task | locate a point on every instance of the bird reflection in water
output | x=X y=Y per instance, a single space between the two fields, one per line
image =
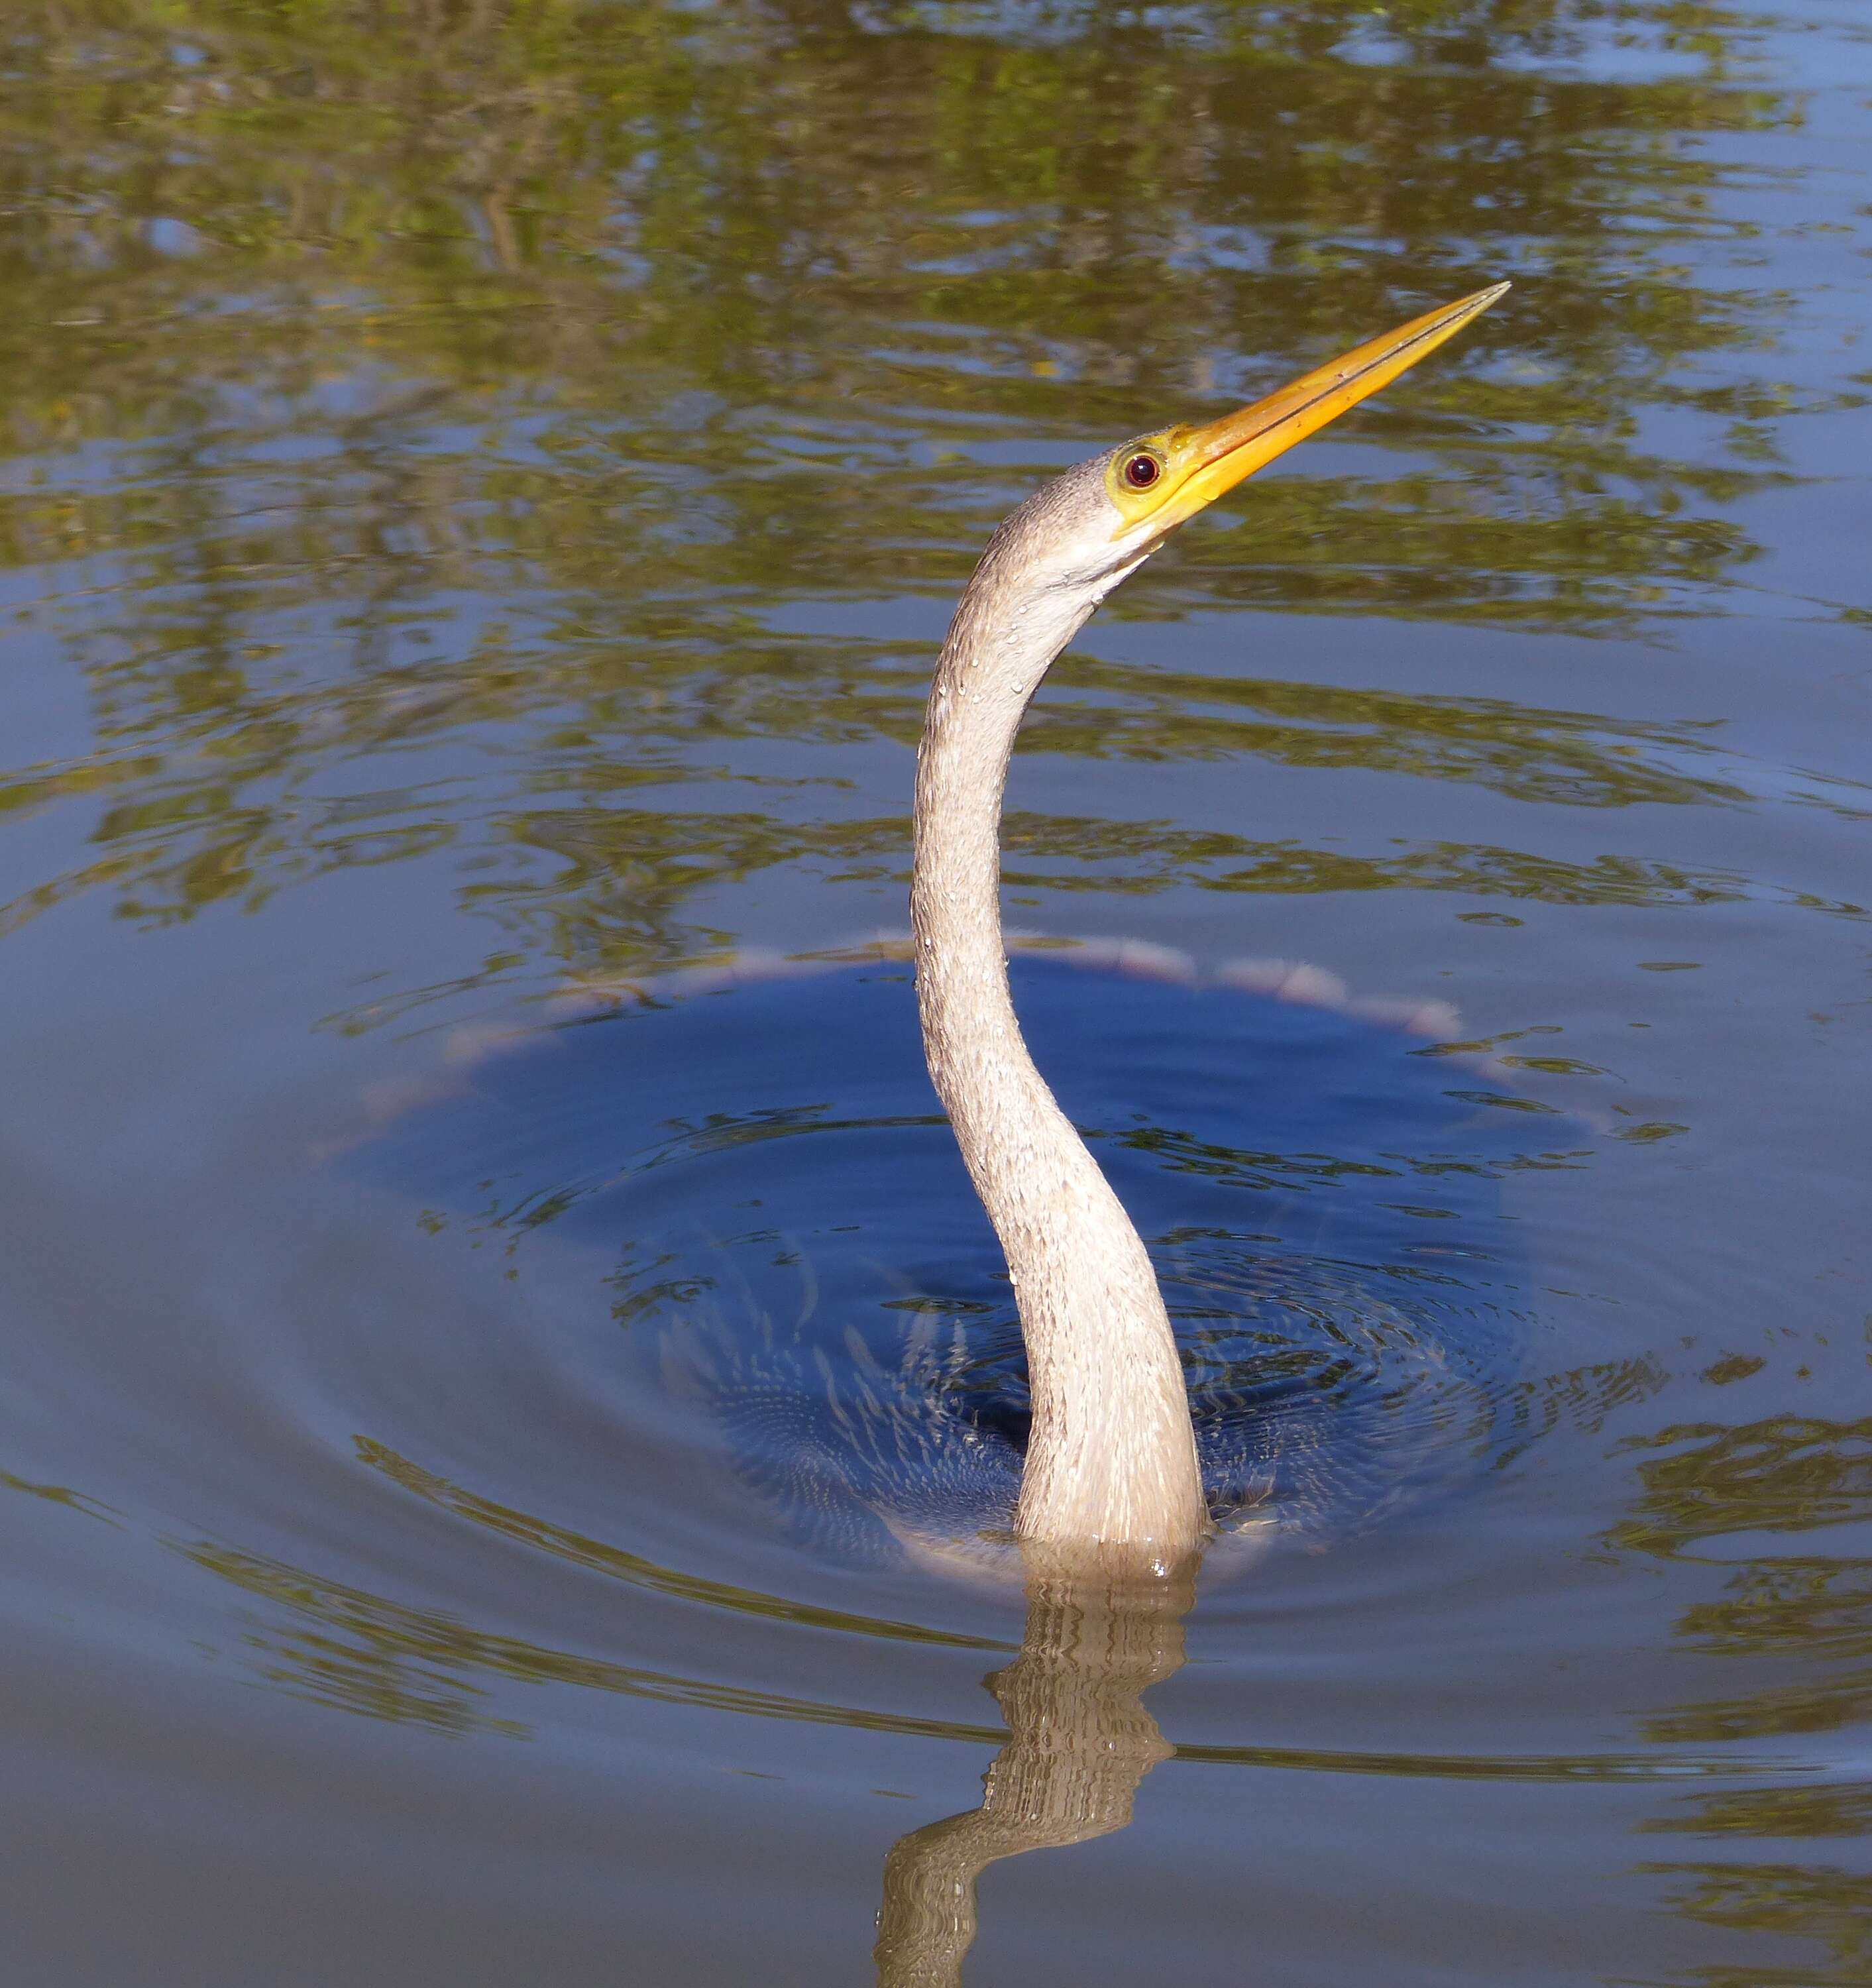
x=1100 y=1631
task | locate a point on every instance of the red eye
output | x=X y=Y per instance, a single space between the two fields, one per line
x=1140 y=471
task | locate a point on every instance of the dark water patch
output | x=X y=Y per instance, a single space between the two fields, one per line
x=1340 y=1361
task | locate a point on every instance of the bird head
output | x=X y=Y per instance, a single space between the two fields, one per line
x=1089 y=529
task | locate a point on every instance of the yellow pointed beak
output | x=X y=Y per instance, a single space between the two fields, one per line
x=1198 y=464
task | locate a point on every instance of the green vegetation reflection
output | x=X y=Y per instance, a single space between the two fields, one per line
x=421 y=420
x=1761 y=1503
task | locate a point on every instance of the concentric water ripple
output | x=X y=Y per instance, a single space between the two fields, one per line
x=805 y=1281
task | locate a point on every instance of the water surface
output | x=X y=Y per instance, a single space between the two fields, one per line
x=483 y=485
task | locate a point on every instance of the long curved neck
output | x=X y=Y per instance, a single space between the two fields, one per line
x=1112 y=1456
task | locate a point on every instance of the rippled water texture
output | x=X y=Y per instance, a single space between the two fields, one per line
x=484 y=484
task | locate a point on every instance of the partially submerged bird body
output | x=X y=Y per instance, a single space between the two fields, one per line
x=1111 y=1459
x=1336 y=1351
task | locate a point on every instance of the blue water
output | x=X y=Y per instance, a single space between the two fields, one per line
x=481 y=489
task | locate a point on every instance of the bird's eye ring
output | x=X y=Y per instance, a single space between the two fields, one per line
x=1141 y=470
